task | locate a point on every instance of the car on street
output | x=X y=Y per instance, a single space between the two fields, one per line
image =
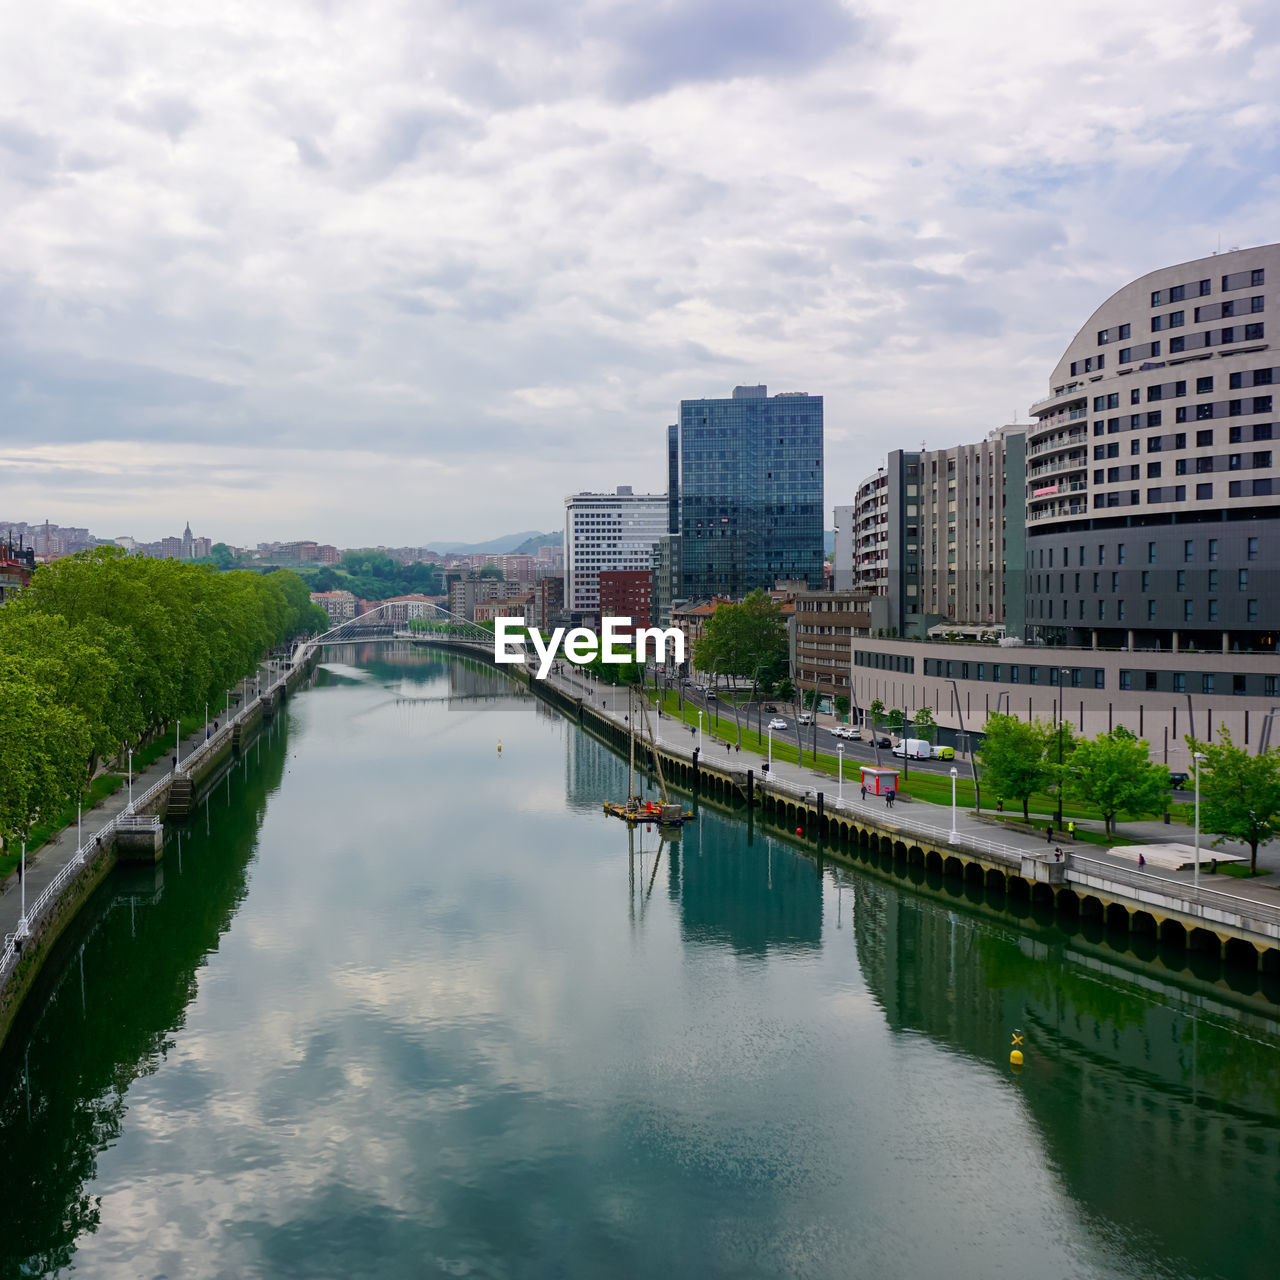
x=1177 y=779
x=769 y=707
x=843 y=731
x=882 y=741
x=777 y=723
x=944 y=753
x=806 y=718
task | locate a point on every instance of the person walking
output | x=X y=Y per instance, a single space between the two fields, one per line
x=864 y=792
x=1057 y=853
x=999 y=806
x=1071 y=828
x=1142 y=862
x=1048 y=833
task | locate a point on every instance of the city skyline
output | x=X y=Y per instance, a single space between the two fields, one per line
x=355 y=276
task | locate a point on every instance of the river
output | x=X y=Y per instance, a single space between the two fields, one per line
x=398 y=1004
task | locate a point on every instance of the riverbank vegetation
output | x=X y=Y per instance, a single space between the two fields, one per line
x=103 y=651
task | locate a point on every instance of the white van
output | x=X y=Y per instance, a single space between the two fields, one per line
x=914 y=749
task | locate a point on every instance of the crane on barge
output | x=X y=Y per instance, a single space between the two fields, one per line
x=666 y=814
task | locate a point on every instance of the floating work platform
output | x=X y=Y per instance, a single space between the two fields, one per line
x=666 y=815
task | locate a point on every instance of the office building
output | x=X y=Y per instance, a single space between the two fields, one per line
x=1153 y=492
x=826 y=623
x=750 y=496
x=627 y=593
x=607 y=531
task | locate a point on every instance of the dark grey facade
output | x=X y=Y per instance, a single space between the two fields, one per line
x=751 y=492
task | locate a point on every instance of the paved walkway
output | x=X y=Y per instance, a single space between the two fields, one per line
x=674 y=735
x=44 y=864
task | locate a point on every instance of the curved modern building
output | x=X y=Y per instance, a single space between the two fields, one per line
x=1153 y=492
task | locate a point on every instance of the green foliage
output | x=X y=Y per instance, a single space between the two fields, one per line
x=810 y=699
x=1239 y=793
x=102 y=649
x=373 y=575
x=895 y=720
x=220 y=555
x=876 y=712
x=1114 y=772
x=842 y=706
x=490 y=571
x=1013 y=759
x=923 y=725
x=784 y=689
x=747 y=640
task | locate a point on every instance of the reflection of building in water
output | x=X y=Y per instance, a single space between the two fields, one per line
x=469 y=678
x=592 y=773
x=1147 y=1092
x=752 y=897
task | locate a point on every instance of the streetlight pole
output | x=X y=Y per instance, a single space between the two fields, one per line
x=1198 y=758
x=130 y=779
x=206 y=719
x=770 y=764
x=699 y=731
x=840 y=765
x=1063 y=673
x=177 y=743
x=22 y=880
x=79 y=838
x=955 y=773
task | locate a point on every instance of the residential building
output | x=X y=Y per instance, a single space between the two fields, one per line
x=607 y=531
x=339 y=605
x=201 y=547
x=825 y=624
x=409 y=607
x=17 y=563
x=514 y=606
x=666 y=577
x=750 y=491
x=1153 y=484
x=870 y=536
x=627 y=593
x=546 y=603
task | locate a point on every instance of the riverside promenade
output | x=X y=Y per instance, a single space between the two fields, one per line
x=62 y=858
x=1222 y=912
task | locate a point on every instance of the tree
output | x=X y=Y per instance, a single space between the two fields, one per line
x=1239 y=793
x=490 y=571
x=784 y=690
x=895 y=720
x=1013 y=759
x=1114 y=771
x=220 y=555
x=923 y=725
x=810 y=699
x=876 y=712
x=842 y=706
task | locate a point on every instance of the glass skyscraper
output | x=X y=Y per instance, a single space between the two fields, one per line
x=750 y=498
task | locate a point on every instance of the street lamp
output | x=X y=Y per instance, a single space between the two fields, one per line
x=699 y=730
x=206 y=719
x=769 y=766
x=1198 y=757
x=954 y=775
x=840 y=765
x=1063 y=673
x=177 y=743
x=130 y=779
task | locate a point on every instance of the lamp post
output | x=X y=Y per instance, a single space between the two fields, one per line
x=840 y=766
x=79 y=838
x=699 y=731
x=22 y=880
x=1063 y=673
x=1198 y=758
x=177 y=743
x=130 y=779
x=770 y=764
x=206 y=719
x=955 y=773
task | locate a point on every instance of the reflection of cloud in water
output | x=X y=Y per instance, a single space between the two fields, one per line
x=344 y=672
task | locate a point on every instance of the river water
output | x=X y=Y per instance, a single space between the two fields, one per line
x=398 y=1004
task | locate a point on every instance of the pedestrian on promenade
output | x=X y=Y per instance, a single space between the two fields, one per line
x=864 y=791
x=1071 y=828
x=1048 y=833
x=1057 y=853
x=175 y=762
x=999 y=806
x=1142 y=862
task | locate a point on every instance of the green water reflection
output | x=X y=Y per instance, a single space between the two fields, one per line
x=400 y=1004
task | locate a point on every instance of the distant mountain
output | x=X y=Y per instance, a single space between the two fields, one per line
x=524 y=542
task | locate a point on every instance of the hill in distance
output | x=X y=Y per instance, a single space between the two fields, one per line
x=526 y=542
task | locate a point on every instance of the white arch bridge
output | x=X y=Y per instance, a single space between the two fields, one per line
x=440 y=625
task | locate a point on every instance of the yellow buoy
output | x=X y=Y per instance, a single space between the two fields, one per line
x=1015 y=1058
x=499 y=746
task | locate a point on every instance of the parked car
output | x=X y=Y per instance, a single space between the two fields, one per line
x=806 y=718
x=845 y=731
x=1177 y=779
x=777 y=723
x=881 y=741
x=944 y=753
x=914 y=749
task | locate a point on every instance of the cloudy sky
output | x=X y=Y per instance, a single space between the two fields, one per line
x=390 y=271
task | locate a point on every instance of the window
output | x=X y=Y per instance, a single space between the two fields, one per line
x=1213 y=611
x=1102 y=611
x=1123 y=332
x=1242 y=580
x=1126 y=679
x=1252 y=550
x=1135 y=395
x=1269 y=684
x=1154 y=418
x=1157 y=298
x=1177 y=293
x=1213 y=579
x=1151 y=548
x=1182 y=579
x=1104 y=336
x=1120 y=553
x=1157 y=323
x=1099 y=677
x=1252 y=332
x=1251 y=611
x=1146 y=579
x=1151 y=610
x=1188 y=552
x=1180 y=467
x=1155 y=444
x=1204 y=386
x=1204 y=491
x=1237 y=684
x=1179 y=682
x=1187 y=607
x=1207 y=682
x=1153 y=470
x=1115 y=582
x=1257 y=277
x=1119 y=610
x=1213 y=548
x=1262 y=458
x=1206 y=288
x=1180 y=440
x=1257 y=303
x=1176 y=319
x=1176 y=345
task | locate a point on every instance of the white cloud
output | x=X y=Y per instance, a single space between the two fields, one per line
x=419 y=271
